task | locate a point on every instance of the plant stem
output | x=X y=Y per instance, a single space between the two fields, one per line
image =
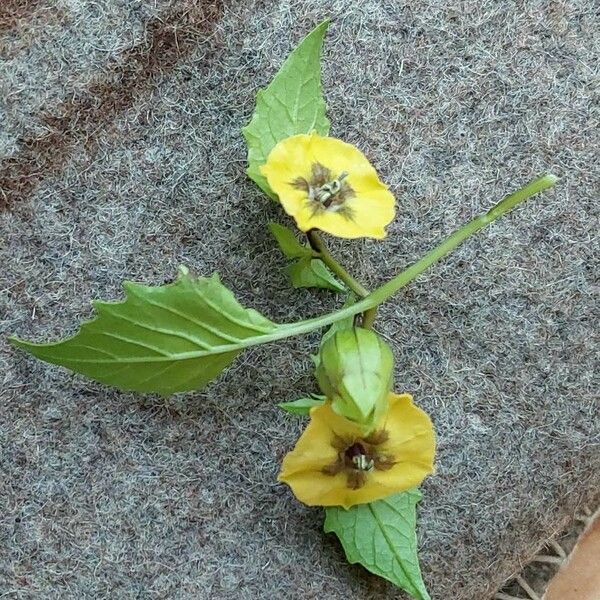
x=388 y=289
x=368 y=318
x=318 y=245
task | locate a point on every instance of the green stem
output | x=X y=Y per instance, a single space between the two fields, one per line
x=317 y=244
x=373 y=300
x=388 y=289
x=368 y=318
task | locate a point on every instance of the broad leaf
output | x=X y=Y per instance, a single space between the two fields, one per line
x=207 y=327
x=287 y=242
x=312 y=273
x=165 y=339
x=302 y=406
x=291 y=104
x=381 y=536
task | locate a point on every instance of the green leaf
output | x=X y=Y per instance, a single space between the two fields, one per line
x=291 y=104
x=288 y=243
x=302 y=406
x=309 y=273
x=165 y=339
x=306 y=272
x=381 y=537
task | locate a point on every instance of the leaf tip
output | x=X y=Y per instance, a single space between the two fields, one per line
x=182 y=272
x=325 y=23
x=29 y=347
x=13 y=340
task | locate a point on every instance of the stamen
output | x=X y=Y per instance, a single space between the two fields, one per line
x=327 y=192
x=356 y=449
x=363 y=463
x=359 y=458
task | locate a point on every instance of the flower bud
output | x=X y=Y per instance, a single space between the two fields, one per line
x=355 y=371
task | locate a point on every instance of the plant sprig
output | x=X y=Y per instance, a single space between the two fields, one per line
x=179 y=337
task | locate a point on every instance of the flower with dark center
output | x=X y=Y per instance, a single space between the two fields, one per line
x=327 y=184
x=336 y=463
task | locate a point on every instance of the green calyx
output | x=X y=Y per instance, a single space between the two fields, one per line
x=355 y=370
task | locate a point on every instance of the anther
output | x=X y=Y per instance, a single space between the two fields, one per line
x=363 y=463
x=326 y=193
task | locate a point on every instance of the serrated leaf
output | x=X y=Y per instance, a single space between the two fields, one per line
x=164 y=339
x=287 y=242
x=312 y=273
x=302 y=406
x=291 y=104
x=381 y=536
x=199 y=366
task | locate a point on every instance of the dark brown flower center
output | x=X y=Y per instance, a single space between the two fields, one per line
x=324 y=191
x=357 y=457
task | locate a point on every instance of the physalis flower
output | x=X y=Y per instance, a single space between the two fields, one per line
x=335 y=463
x=327 y=184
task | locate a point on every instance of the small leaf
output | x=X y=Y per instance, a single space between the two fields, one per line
x=288 y=243
x=302 y=406
x=381 y=537
x=165 y=339
x=306 y=272
x=292 y=103
x=309 y=273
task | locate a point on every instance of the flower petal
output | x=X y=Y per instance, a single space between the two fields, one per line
x=410 y=442
x=365 y=214
x=411 y=435
x=314 y=449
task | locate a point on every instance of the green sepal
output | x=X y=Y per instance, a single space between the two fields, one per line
x=346 y=323
x=312 y=273
x=302 y=406
x=355 y=372
x=291 y=104
x=381 y=536
x=287 y=242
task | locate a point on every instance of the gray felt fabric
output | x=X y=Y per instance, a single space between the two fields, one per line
x=121 y=157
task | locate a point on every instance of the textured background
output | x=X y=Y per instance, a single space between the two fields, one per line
x=121 y=157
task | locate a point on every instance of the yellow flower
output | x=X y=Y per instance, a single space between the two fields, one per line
x=327 y=184
x=335 y=463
